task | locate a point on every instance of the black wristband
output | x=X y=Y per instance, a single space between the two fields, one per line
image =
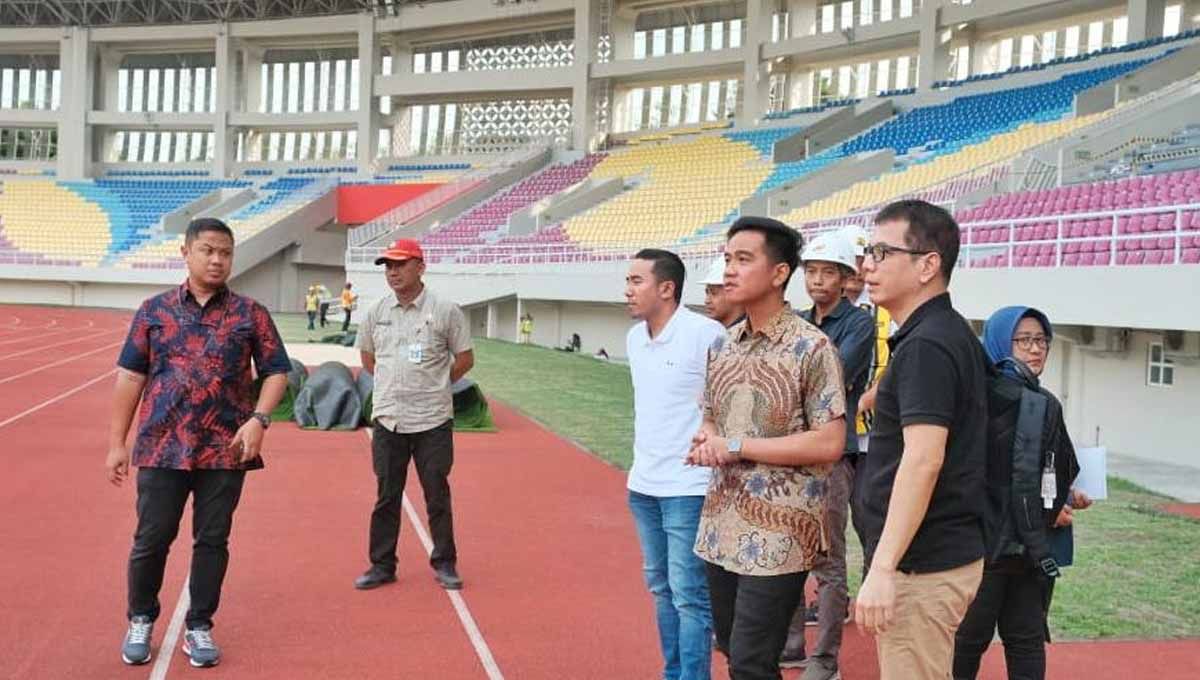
x=262 y=418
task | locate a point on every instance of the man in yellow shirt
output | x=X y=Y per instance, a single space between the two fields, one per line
x=311 y=302
x=349 y=302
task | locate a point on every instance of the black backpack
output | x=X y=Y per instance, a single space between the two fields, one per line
x=1023 y=425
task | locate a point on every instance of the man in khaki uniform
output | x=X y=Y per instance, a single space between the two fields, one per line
x=416 y=345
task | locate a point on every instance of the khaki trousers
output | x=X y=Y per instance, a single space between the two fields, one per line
x=919 y=645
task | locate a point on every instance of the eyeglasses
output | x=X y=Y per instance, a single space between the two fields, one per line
x=1028 y=342
x=880 y=251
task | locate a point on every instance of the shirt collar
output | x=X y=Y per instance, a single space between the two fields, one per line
x=774 y=329
x=843 y=306
x=185 y=292
x=936 y=303
x=668 y=331
x=417 y=303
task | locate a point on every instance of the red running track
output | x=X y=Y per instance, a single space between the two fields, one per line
x=546 y=543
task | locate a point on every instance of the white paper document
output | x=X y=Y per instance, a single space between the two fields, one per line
x=1093 y=472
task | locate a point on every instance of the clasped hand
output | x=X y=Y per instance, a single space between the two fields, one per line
x=709 y=450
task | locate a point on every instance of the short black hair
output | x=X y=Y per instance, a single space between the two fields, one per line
x=202 y=224
x=781 y=242
x=666 y=267
x=930 y=228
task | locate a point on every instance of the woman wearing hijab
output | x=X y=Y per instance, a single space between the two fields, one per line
x=1014 y=595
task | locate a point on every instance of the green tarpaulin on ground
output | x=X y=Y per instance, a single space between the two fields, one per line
x=286 y=409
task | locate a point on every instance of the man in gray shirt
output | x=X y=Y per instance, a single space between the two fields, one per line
x=416 y=345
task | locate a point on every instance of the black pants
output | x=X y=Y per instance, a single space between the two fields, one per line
x=1013 y=597
x=324 y=312
x=750 y=617
x=161 y=496
x=346 y=322
x=433 y=453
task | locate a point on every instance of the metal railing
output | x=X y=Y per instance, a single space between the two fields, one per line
x=973 y=255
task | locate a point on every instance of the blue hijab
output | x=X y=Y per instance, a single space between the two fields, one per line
x=999 y=328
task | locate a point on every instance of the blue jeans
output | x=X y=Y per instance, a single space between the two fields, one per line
x=666 y=528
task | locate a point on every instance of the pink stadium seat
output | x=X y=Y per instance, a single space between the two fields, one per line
x=1191 y=256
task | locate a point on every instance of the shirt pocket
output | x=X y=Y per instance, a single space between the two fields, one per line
x=382 y=338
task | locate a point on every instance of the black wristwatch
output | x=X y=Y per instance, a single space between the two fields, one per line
x=262 y=418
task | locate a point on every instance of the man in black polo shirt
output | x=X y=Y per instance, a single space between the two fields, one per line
x=918 y=503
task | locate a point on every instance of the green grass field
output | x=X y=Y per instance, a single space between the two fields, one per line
x=1136 y=573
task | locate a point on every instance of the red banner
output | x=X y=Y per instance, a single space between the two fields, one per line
x=359 y=203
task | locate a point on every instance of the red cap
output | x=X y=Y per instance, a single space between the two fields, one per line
x=404 y=249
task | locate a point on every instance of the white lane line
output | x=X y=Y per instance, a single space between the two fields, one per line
x=60 y=362
x=456 y=599
x=167 y=650
x=57 y=344
x=37 y=337
x=54 y=400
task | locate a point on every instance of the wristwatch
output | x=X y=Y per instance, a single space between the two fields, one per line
x=734 y=446
x=262 y=418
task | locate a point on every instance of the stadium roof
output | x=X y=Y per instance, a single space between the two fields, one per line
x=135 y=12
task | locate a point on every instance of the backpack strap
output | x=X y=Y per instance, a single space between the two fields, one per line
x=1027 y=463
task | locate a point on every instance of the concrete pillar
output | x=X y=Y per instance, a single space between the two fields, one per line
x=110 y=68
x=367 y=116
x=517 y=321
x=756 y=77
x=75 y=60
x=1146 y=18
x=932 y=53
x=622 y=24
x=493 y=319
x=224 y=137
x=583 y=105
x=1191 y=15
x=252 y=61
x=802 y=17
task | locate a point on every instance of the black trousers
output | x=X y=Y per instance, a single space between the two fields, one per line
x=433 y=453
x=1013 y=597
x=324 y=312
x=161 y=496
x=346 y=321
x=750 y=617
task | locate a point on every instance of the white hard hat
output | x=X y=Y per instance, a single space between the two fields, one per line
x=832 y=246
x=857 y=236
x=716 y=273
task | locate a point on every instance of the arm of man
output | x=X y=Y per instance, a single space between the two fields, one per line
x=126 y=394
x=463 y=362
x=368 y=361
x=823 y=445
x=458 y=339
x=365 y=342
x=272 y=363
x=924 y=451
x=133 y=367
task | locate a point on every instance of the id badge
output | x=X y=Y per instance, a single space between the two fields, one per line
x=415 y=353
x=1049 y=484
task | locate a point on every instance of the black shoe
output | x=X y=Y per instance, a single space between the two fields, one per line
x=374 y=578
x=792 y=658
x=447 y=577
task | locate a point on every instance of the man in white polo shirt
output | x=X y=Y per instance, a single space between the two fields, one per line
x=668 y=358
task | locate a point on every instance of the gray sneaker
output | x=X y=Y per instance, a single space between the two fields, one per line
x=200 y=649
x=819 y=670
x=135 y=651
